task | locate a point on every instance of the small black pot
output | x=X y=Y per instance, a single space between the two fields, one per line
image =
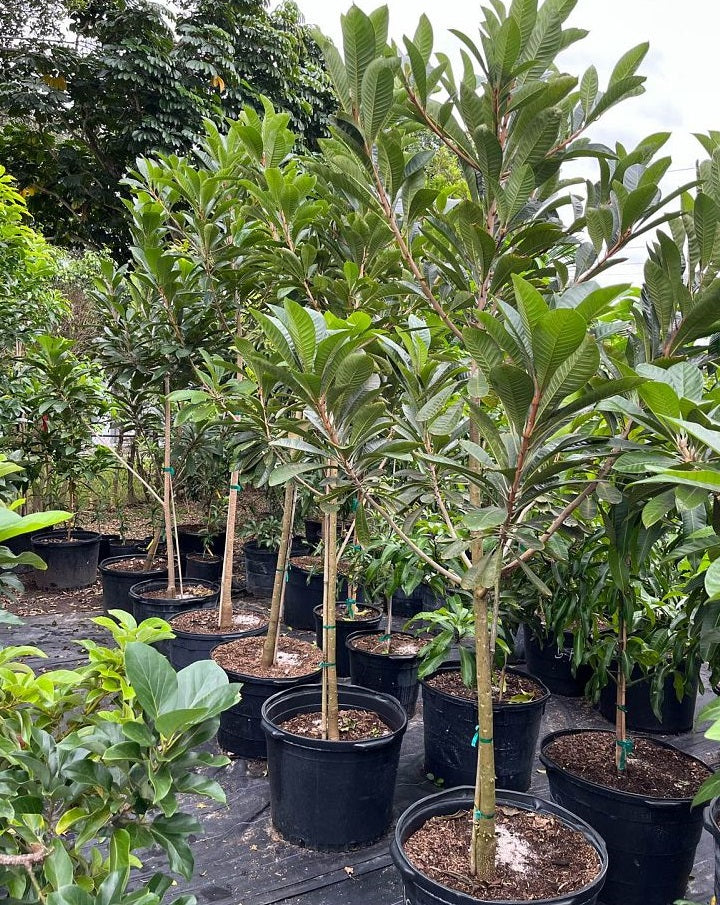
x=127 y=546
x=116 y=584
x=331 y=796
x=391 y=674
x=422 y=890
x=198 y=565
x=651 y=841
x=421 y=600
x=712 y=825
x=70 y=564
x=553 y=666
x=192 y=539
x=303 y=592
x=677 y=716
x=449 y=724
x=343 y=629
x=167 y=607
x=241 y=730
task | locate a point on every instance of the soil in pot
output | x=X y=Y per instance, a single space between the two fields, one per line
x=538 y=856
x=304 y=590
x=199 y=565
x=544 y=853
x=394 y=672
x=363 y=616
x=645 y=817
x=150 y=598
x=553 y=665
x=332 y=795
x=298 y=663
x=353 y=725
x=197 y=633
x=450 y=720
x=677 y=716
x=118 y=574
x=71 y=561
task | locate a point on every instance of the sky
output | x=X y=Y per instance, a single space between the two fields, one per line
x=683 y=76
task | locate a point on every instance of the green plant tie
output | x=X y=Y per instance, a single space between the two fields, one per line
x=350 y=607
x=355 y=504
x=626 y=749
x=356 y=547
x=480 y=741
x=327 y=665
x=237 y=487
x=480 y=815
x=385 y=637
x=622 y=708
x=170 y=470
x=330 y=628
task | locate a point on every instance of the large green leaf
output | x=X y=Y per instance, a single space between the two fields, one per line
x=705 y=217
x=359 y=49
x=12 y=524
x=515 y=389
x=557 y=335
x=151 y=676
x=377 y=95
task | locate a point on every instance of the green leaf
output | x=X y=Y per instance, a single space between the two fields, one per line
x=483 y=573
x=657 y=508
x=301 y=328
x=359 y=49
x=377 y=95
x=484 y=520
x=58 y=866
x=151 y=676
x=12 y=524
x=515 y=389
x=705 y=217
x=435 y=404
x=530 y=303
x=558 y=334
x=628 y=63
x=712 y=579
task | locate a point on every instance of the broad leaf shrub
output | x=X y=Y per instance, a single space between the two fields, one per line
x=92 y=761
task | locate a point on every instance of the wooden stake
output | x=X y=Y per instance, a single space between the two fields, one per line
x=167 y=490
x=326 y=598
x=333 y=731
x=278 y=594
x=621 y=700
x=225 y=612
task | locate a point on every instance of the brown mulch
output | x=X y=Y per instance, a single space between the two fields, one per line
x=515 y=685
x=652 y=770
x=401 y=645
x=360 y=613
x=136 y=564
x=295 y=658
x=315 y=564
x=538 y=856
x=354 y=725
x=189 y=590
x=36 y=602
x=205 y=622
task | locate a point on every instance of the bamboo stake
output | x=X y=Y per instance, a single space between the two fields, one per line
x=330 y=669
x=167 y=491
x=326 y=598
x=389 y=606
x=278 y=594
x=225 y=609
x=621 y=742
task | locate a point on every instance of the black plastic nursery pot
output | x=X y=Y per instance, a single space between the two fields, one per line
x=188 y=647
x=553 y=666
x=331 y=796
x=260 y=566
x=343 y=629
x=677 y=716
x=199 y=565
x=105 y=541
x=651 y=842
x=166 y=607
x=241 y=731
x=21 y=543
x=127 y=546
x=71 y=563
x=421 y=600
x=449 y=724
x=194 y=538
x=303 y=592
x=712 y=825
x=422 y=890
x=116 y=583
x=393 y=674
x=313 y=531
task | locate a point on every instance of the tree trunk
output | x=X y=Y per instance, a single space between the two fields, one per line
x=278 y=595
x=621 y=741
x=330 y=682
x=167 y=495
x=225 y=612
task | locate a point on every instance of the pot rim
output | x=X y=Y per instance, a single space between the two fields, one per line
x=137 y=592
x=317 y=610
x=323 y=744
x=511 y=798
x=612 y=792
x=78 y=537
x=103 y=567
x=246 y=677
x=219 y=634
x=370 y=631
x=451 y=667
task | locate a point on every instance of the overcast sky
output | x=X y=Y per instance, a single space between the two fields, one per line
x=682 y=67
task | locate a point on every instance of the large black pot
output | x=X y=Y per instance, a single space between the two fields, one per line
x=128 y=546
x=116 y=584
x=392 y=674
x=166 y=607
x=241 y=730
x=422 y=890
x=313 y=531
x=105 y=541
x=677 y=716
x=195 y=539
x=449 y=724
x=343 y=629
x=187 y=647
x=331 y=796
x=303 y=592
x=198 y=565
x=712 y=825
x=553 y=666
x=421 y=600
x=651 y=841
x=70 y=563
x=260 y=566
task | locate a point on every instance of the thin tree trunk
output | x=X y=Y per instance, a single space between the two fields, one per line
x=130 y=483
x=325 y=628
x=388 y=632
x=621 y=701
x=330 y=670
x=225 y=612
x=278 y=594
x=116 y=474
x=152 y=550
x=167 y=494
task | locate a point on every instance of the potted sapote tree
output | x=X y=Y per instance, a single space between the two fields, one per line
x=64 y=403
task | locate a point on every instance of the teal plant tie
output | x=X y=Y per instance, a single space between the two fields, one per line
x=170 y=470
x=626 y=749
x=356 y=547
x=622 y=708
x=480 y=741
x=237 y=487
x=329 y=628
x=384 y=638
x=327 y=665
x=480 y=815
x=354 y=504
x=350 y=607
